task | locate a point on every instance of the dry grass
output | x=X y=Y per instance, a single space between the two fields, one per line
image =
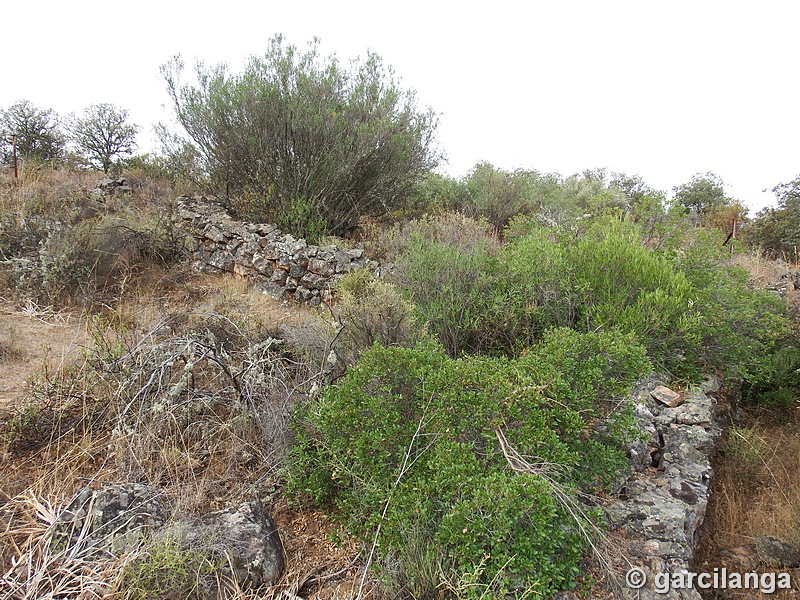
x=756 y=493
x=165 y=377
x=763 y=271
x=125 y=410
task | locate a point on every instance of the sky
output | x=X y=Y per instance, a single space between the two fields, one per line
x=663 y=90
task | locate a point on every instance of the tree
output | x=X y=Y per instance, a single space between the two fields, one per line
x=103 y=133
x=776 y=230
x=37 y=132
x=304 y=141
x=703 y=194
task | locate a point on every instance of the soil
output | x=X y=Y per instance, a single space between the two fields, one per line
x=35 y=342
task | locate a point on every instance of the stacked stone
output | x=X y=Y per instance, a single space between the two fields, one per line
x=279 y=264
x=663 y=504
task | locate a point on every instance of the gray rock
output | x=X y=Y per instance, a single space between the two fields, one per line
x=777 y=553
x=663 y=504
x=115 y=517
x=246 y=535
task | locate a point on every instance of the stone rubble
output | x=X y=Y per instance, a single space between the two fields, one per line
x=663 y=503
x=279 y=264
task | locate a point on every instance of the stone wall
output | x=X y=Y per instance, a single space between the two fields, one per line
x=278 y=263
x=661 y=507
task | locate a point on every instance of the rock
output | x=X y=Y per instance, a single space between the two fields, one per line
x=245 y=537
x=667 y=396
x=115 y=516
x=321 y=267
x=710 y=384
x=662 y=505
x=741 y=558
x=256 y=251
x=108 y=186
x=777 y=553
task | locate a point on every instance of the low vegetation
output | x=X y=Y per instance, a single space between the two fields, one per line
x=453 y=422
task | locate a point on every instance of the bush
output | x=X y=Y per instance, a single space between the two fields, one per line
x=738 y=326
x=453 y=229
x=776 y=231
x=413 y=441
x=295 y=132
x=455 y=292
x=777 y=384
x=624 y=285
x=371 y=311
x=535 y=277
x=168 y=570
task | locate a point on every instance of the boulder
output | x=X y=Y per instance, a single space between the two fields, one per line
x=244 y=537
x=116 y=517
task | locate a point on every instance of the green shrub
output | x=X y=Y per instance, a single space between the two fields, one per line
x=777 y=384
x=737 y=327
x=536 y=281
x=413 y=441
x=625 y=285
x=456 y=294
x=168 y=570
x=372 y=311
x=452 y=229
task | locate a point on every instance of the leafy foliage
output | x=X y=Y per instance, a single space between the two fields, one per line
x=168 y=569
x=300 y=133
x=776 y=231
x=37 y=131
x=682 y=301
x=409 y=442
x=371 y=311
x=703 y=193
x=436 y=274
x=103 y=133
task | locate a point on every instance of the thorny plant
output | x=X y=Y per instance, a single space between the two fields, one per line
x=210 y=392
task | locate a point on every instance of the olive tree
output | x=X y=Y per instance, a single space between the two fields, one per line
x=303 y=140
x=35 y=131
x=102 y=134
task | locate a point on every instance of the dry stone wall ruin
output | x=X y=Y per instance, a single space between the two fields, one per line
x=278 y=263
x=661 y=506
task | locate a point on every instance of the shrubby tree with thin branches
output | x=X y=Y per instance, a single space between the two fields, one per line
x=303 y=140
x=37 y=131
x=103 y=134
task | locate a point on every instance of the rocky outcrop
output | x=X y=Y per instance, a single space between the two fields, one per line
x=127 y=517
x=663 y=503
x=111 y=187
x=278 y=263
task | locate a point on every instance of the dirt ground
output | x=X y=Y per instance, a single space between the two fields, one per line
x=33 y=342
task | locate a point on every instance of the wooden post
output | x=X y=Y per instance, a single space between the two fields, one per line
x=14 y=154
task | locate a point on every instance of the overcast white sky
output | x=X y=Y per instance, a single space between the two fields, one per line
x=659 y=89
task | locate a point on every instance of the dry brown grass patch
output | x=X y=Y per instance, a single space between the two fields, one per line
x=756 y=493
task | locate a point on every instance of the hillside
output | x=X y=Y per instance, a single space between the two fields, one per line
x=440 y=405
